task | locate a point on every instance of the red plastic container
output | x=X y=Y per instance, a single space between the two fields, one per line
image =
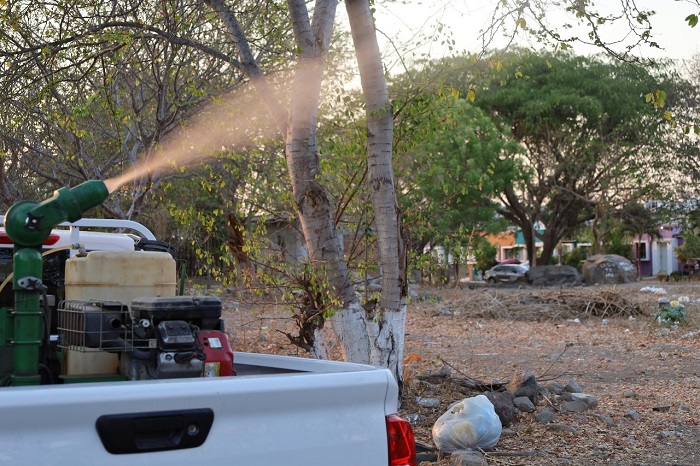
x=219 y=355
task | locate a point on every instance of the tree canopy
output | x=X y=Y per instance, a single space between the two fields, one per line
x=451 y=171
x=591 y=143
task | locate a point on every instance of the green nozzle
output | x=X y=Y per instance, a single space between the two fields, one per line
x=29 y=223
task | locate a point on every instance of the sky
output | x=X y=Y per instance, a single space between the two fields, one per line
x=402 y=26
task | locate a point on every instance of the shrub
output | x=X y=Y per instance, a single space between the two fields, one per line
x=662 y=277
x=574 y=258
x=673 y=314
x=485 y=255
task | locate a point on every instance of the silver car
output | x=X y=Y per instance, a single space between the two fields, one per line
x=506 y=273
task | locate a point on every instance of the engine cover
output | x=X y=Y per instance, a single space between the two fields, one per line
x=174 y=335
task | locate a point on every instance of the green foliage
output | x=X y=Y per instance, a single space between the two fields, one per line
x=485 y=254
x=449 y=170
x=575 y=258
x=620 y=243
x=673 y=314
x=690 y=249
x=427 y=297
x=638 y=220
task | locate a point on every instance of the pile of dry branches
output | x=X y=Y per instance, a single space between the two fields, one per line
x=549 y=304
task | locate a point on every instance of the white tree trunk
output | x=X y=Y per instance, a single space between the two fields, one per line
x=315 y=213
x=388 y=328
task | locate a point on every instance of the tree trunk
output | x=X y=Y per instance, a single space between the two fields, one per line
x=515 y=212
x=312 y=202
x=388 y=326
x=301 y=151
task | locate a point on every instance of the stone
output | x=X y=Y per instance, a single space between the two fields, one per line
x=425 y=446
x=574 y=406
x=607 y=420
x=504 y=406
x=608 y=269
x=573 y=387
x=590 y=400
x=555 y=387
x=553 y=275
x=630 y=394
x=566 y=396
x=426 y=452
x=545 y=416
x=633 y=415
x=374 y=287
x=427 y=456
x=524 y=404
x=562 y=428
x=525 y=384
x=436 y=377
x=467 y=458
x=424 y=402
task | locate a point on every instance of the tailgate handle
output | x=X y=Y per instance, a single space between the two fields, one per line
x=155 y=431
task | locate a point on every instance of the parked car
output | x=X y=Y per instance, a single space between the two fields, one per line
x=506 y=273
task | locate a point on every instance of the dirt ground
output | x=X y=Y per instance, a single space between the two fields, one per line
x=604 y=338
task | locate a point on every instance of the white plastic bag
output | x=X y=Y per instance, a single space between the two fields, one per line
x=471 y=423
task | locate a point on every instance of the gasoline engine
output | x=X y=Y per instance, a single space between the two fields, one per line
x=154 y=338
x=120 y=318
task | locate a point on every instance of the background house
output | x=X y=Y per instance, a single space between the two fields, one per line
x=657 y=255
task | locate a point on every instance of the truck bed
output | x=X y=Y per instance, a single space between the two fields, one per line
x=277 y=410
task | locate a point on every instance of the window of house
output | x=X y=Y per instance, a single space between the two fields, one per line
x=642 y=250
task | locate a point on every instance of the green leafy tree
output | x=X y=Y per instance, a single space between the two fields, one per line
x=451 y=177
x=690 y=249
x=589 y=140
x=619 y=242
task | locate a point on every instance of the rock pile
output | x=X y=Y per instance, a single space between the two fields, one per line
x=523 y=396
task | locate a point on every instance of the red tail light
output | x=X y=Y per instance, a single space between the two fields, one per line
x=52 y=239
x=402 y=445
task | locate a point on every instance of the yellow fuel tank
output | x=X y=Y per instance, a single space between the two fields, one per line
x=114 y=276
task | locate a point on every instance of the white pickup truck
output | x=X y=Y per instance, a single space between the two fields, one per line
x=128 y=377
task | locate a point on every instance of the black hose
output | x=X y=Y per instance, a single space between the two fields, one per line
x=47 y=372
x=46 y=341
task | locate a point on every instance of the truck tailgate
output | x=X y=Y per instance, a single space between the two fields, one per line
x=280 y=410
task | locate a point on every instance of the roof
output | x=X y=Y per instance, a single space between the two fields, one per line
x=520 y=238
x=501 y=239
